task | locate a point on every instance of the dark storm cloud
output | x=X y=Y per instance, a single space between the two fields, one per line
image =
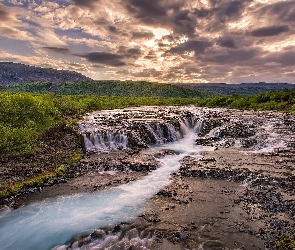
x=202 y=13
x=218 y=13
x=191 y=45
x=269 y=31
x=85 y=3
x=283 y=58
x=232 y=9
x=233 y=56
x=154 y=12
x=133 y=52
x=167 y=13
x=58 y=50
x=184 y=23
x=146 y=9
x=104 y=58
x=226 y=42
x=176 y=15
x=283 y=11
x=222 y=11
x=143 y=34
x=129 y=52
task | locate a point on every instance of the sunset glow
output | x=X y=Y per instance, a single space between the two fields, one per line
x=165 y=40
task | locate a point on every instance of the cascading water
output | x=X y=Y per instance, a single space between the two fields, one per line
x=52 y=222
x=105 y=141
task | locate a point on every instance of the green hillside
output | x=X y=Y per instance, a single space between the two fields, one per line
x=32 y=87
x=106 y=88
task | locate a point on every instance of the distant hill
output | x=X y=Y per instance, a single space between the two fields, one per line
x=243 y=89
x=106 y=88
x=16 y=73
x=126 y=88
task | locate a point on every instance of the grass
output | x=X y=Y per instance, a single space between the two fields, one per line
x=37 y=180
x=285 y=243
x=40 y=179
x=283 y=101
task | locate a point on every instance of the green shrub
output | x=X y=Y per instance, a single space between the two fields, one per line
x=38 y=180
x=285 y=243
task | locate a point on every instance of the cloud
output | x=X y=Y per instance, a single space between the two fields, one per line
x=50 y=38
x=112 y=29
x=142 y=35
x=269 y=31
x=14 y=33
x=10 y=26
x=230 y=9
x=151 y=55
x=7 y=16
x=133 y=52
x=104 y=58
x=147 y=73
x=184 y=23
x=283 y=58
x=85 y=3
x=145 y=8
x=226 y=42
x=282 y=11
x=191 y=45
x=64 y=51
x=150 y=11
x=233 y=56
x=4 y=14
x=209 y=40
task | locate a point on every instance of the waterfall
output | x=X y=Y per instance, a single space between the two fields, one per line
x=105 y=141
x=162 y=132
x=101 y=137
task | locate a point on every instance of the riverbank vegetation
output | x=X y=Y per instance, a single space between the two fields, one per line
x=24 y=117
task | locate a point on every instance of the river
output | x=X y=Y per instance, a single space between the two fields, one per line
x=52 y=222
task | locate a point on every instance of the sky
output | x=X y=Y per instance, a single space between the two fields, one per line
x=185 y=41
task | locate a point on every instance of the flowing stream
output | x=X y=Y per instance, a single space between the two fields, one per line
x=53 y=222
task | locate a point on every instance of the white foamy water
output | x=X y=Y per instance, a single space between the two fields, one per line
x=52 y=222
x=270 y=142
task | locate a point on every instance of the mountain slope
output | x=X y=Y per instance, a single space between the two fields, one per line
x=16 y=73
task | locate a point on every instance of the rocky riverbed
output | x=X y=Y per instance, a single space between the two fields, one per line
x=240 y=195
